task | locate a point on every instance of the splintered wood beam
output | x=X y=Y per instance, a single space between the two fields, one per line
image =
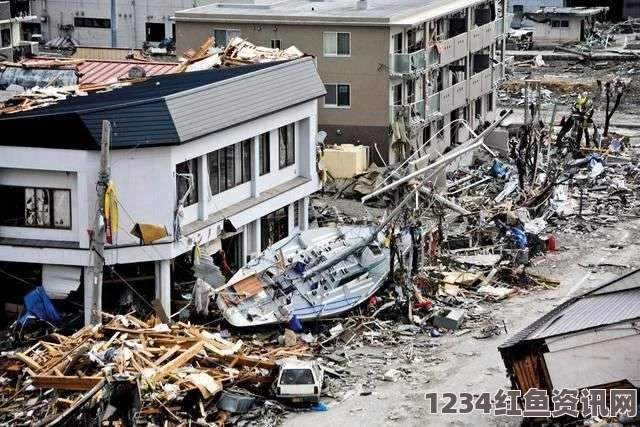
x=66 y=382
x=26 y=360
x=180 y=360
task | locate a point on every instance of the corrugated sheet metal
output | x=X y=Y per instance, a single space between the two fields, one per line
x=613 y=302
x=591 y=311
x=30 y=77
x=226 y=103
x=93 y=71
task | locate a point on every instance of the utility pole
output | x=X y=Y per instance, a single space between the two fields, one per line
x=99 y=230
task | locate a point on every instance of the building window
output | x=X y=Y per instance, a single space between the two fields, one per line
x=287 y=145
x=35 y=207
x=155 y=31
x=274 y=227
x=411 y=91
x=336 y=44
x=222 y=37
x=276 y=44
x=296 y=213
x=265 y=153
x=190 y=167
x=489 y=102
x=518 y=8
x=564 y=24
x=397 y=43
x=559 y=24
x=92 y=22
x=5 y=37
x=478 y=108
x=396 y=91
x=229 y=167
x=338 y=95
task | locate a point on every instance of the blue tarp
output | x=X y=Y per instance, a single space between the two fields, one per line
x=37 y=304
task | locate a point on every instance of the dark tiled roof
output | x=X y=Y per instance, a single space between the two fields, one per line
x=139 y=113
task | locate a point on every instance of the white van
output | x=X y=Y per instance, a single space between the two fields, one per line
x=298 y=380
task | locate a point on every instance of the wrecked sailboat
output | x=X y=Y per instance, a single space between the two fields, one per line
x=315 y=273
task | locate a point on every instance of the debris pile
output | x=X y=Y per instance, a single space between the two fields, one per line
x=130 y=371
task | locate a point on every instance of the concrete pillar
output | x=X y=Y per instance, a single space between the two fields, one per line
x=290 y=215
x=163 y=284
x=88 y=295
x=254 y=236
x=255 y=166
x=203 y=187
x=304 y=214
x=245 y=243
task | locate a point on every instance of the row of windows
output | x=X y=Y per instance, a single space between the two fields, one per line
x=231 y=166
x=559 y=23
x=35 y=207
x=333 y=43
x=92 y=22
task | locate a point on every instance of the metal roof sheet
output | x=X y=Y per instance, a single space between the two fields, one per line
x=613 y=302
x=109 y=71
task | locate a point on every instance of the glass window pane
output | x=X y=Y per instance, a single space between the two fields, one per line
x=291 y=146
x=329 y=44
x=330 y=98
x=214 y=173
x=282 y=133
x=237 y=150
x=344 y=47
x=230 y=165
x=232 y=33
x=62 y=208
x=246 y=160
x=220 y=37
x=344 y=98
x=264 y=153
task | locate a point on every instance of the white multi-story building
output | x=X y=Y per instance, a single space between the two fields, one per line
x=90 y=21
x=246 y=135
x=16 y=25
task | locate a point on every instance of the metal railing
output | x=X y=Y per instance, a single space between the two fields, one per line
x=406 y=63
x=413 y=111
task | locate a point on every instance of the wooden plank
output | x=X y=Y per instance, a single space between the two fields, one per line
x=160 y=313
x=167 y=355
x=248 y=286
x=26 y=360
x=178 y=361
x=66 y=382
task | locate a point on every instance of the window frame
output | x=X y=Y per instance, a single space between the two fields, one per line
x=51 y=211
x=232 y=165
x=226 y=35
x=148 y=29
x=336 y=55
x=3 y=37
x=194 y=197
x=264 y=161
x=279 y=43
x=289 y=155
x=337 y=105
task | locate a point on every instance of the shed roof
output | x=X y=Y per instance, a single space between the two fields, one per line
x=167 y=110
x=614 y=302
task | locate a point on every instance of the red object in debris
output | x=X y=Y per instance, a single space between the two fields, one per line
x=551 y=242
x=373 y=301
x=424 y=303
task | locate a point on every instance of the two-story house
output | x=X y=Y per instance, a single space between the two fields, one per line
x=236 y=144
x=396 y=72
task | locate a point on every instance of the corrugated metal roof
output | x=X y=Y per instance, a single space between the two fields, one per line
x=104 y=71
x=613 y=302
x=206 y=109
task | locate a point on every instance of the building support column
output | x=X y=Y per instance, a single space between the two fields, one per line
x=254 y=236
x=203 y=185
x=304 y=214
x=163 y=284
x=88 y=278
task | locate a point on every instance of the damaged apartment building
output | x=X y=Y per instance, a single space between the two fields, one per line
x=17 y=27
x=396 y=72
x=203 y=160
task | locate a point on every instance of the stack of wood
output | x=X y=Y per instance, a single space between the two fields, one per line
x=164 y=361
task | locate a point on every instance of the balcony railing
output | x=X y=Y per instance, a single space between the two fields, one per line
x=406 y=63
x=414 y=111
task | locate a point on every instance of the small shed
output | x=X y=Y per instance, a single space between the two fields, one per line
x=553 y=25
